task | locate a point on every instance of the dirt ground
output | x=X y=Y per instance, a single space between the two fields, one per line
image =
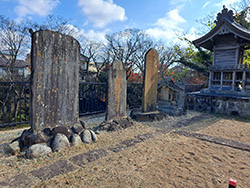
x=167 y=160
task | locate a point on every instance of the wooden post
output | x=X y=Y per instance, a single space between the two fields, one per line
x=210 y=79
x=233 y=81
x=221 y=80
x=117 y=91
x=244 y=81
x=237 y=57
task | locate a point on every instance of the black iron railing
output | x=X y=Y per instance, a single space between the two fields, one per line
x=14 y=103
x=134 y=95
x=15 y=100
x=92 y=97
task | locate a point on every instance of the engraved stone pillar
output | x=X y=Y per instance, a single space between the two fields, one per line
x=117 y=91
x=150 y=81
x=55 y=80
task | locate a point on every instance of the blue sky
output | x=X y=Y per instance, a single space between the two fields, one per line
x=161 y=19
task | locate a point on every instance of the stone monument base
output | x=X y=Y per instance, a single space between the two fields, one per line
x=169 y=108
x=232 y=105
x=114 y=125
x=138 y=115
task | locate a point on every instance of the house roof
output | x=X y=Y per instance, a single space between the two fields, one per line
x=225 y=24
x=18 y=63
x=169 y=83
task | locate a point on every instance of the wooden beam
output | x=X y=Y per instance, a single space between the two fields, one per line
x=210 y=79
x=233 y=81
x=221 y=80
x=237 y=57
x=244 y=81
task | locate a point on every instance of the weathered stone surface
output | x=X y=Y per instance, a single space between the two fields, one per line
x=63 y=130
x=37 y=150
x=216 y=140
x=86 y=136
x=138 y=115
x=59 y=142
x=117 y=91
x=29 y=138
x=114 y=125
x=83 y=124
x=77 y=129
x=131 y=142
x=20 y=180
x=90 y=156
x=93 y=136
x=10 y=149
x=47 y=131
x=14 y=147
x=117 y=148
x=150 y=81
x=145 y=136
x=55 y=80
x=76 y=140
x=57 y=168
x=187 y=122
x=215 y=103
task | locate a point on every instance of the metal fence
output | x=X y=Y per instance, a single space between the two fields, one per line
x=92 y=98
x=134 y=95
x=14 y=103
x=15 y=100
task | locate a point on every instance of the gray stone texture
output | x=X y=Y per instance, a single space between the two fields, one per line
x=37 y=150
x=117 y=91
x=55 y=169
x=86 y=136
x=93 y=136
x=55 y=81
x=150 y=81
x=20 y=180
x=228 y=105
x=60 y=142
x=14 y=147
x=76 y=140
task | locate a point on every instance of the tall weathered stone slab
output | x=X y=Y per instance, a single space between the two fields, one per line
x=117 y=91
x=150 y=81
x=55 y=80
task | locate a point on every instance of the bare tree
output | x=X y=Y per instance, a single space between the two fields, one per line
x=14 y=42
x=94 y=51
x=167 y=56
x=129 y=46
x=58 y=24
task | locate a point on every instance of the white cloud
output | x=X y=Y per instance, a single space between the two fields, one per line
x=39 y=7
x=175 y=2
x=90 y=34
x=227 y=3
x=168 y=28
x=206 y=4
x=102 y=12
x=93 y=35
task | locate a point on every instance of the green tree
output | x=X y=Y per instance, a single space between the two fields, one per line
x=195 y=58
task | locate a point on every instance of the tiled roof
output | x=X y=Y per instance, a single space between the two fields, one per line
x=169 y=83
x=18 y=64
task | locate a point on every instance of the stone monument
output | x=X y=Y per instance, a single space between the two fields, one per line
x=117 y=91
x=150 y=81
x=55 y=81
x=148 y=111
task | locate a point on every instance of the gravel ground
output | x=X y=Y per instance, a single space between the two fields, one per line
x=170 y=122
x=94 y=120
